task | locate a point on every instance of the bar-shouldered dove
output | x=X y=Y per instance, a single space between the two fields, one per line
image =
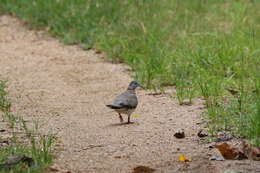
x=126 y=102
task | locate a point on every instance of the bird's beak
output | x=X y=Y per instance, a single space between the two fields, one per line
x=141 y=86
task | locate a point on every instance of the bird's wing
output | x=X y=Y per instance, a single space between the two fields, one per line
x=126 y=100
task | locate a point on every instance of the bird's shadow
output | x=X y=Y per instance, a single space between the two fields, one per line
x=122 y=124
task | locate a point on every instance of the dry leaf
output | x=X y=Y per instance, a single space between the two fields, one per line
x=183 y=158
x=180 y=134
x=227 y=151
x=143 y=169
x=135 y=115
x=202 y=134
x=230 y=152
x=118 y=157
x=251 y=151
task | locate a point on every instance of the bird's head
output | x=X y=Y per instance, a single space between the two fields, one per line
x=133 y=85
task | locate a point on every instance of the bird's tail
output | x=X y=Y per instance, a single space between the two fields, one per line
x=113 y=106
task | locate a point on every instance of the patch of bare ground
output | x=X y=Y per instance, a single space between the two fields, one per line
x=67 y=88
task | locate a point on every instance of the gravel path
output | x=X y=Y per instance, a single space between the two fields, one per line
x=67 y=88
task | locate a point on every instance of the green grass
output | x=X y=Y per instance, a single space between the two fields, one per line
x=202 y=47
x=24 y=140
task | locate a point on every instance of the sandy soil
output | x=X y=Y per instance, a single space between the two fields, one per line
x=67 y=88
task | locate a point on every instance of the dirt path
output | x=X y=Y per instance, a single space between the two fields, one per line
x=67 y=89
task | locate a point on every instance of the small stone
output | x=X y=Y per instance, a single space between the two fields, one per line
x=180 y=134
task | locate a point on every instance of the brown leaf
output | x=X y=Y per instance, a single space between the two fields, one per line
x=118 y=157
x=180 y=134
x=202 y=134
x=252 y=152
x=143 y=169
x=229 y=152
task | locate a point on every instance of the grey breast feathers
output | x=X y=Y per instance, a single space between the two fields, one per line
x=127 y=100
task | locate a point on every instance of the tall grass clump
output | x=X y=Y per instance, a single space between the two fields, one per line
x=24 y=141
x=208 y=48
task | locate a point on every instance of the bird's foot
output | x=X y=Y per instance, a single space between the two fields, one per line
x=128 y=120
x=121 y=119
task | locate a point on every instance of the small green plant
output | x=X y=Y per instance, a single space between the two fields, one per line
x=5 y=104
x=10 y=118
x=24 y=141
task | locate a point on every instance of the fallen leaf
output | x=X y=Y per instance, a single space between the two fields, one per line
x=252 y=152
x=118 y=157
x=202 y=134
x=180 y=134
x=135 y=115
x=143 y=169
x=183 y=158
x=230 y=152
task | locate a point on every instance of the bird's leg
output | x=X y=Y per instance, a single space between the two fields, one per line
x=128 y=122
x=121 y=118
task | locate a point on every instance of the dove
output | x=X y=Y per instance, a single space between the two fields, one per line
x=126 y=102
